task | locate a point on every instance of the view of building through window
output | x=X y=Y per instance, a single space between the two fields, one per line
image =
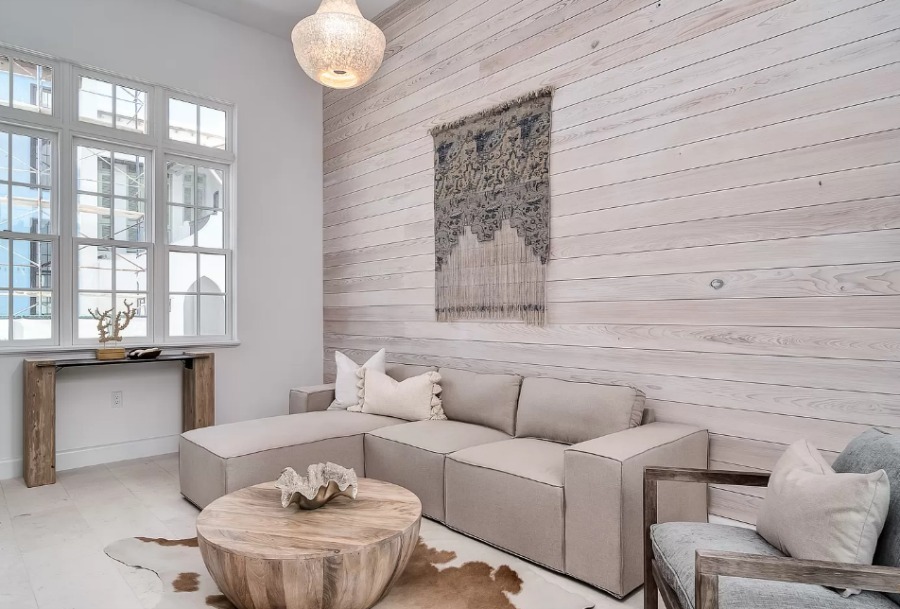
x=125 y=224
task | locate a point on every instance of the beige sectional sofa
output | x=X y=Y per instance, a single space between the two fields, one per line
x=546 y=469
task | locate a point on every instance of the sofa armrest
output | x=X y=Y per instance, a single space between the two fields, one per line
x=712 y=565
x=604 y=499
x=311 y=399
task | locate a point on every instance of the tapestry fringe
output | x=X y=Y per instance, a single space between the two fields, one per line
x=546 y=91
x=497 y=279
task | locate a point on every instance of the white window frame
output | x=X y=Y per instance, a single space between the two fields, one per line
x=227 y=240
x=118 y=134
x=189 y=149
x=149 y=245
x=53 y=237
x=66 y=131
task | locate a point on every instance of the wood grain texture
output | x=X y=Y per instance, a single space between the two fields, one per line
x=345 y=555
x=39 y=404
x=39 y=424
x=199 y=392
x=753 y=142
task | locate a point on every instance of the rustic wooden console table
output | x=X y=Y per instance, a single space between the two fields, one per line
x=39 y=449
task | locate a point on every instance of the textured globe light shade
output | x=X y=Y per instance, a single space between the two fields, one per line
x=337 y=46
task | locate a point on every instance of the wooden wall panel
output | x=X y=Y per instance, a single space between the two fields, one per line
x=752 y=141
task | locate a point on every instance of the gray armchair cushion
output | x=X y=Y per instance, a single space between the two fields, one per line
x=482 y=399
x=567 y=412
x=675 y=545
x=870 y=452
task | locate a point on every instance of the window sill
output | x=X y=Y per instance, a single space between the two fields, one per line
x=75 y=349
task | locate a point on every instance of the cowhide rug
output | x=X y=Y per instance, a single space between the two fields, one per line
x=447 y=571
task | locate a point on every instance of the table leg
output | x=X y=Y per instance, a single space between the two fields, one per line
x=199 y=392
x=39 y=425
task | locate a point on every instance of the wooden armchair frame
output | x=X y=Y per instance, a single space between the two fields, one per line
x=712 y=565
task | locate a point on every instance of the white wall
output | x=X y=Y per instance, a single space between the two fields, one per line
x=279 y=218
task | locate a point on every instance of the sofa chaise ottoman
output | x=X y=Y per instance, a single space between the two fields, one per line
x=546 y=469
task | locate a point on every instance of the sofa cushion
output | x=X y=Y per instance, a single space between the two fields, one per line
x=412 y=455
x=217 y=460
x=675 y=545
x=482 y=399
x=510 y=494
x=246 y=437
x=440 y=437
x=562 y=411
x=401 y=372
x=536 y=460
x=870 y=452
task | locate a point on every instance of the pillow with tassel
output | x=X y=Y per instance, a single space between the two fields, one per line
x=414 y=399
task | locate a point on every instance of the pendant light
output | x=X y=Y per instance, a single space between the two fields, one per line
x=337 y=46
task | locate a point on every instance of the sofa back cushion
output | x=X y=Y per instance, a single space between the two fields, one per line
x=870 y=452
x=567 y=412
x=401 y=372
x=482 y=399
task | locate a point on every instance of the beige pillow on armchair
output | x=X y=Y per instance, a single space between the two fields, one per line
x=414 y=399
x=813 y=513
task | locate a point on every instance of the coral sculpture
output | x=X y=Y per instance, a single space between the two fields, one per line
x=323 y=482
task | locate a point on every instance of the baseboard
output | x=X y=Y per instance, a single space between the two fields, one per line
x=95 y=455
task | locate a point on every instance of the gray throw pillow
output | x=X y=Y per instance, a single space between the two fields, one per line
x=870 y=452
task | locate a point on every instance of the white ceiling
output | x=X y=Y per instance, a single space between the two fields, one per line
x=277 y=16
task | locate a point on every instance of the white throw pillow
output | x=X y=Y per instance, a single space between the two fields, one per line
x=346 y=393
x=811 y=512
x=414 y=399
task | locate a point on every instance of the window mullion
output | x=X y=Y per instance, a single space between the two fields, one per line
x=63 y=298
x=159 y=297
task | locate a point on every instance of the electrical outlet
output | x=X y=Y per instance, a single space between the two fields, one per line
x=118 y=399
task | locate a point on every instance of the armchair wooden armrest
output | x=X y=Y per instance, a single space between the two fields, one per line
x=652 y=477
x=712 y=565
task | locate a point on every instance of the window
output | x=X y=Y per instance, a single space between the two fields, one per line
x=112 y=105
x=102 y=209
x=197 y=124
x=197 y=258
x=27 y=84
x=26 y=239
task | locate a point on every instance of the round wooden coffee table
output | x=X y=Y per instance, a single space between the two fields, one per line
x=345 y=555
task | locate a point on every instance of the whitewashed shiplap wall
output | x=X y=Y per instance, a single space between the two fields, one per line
x=752 y=141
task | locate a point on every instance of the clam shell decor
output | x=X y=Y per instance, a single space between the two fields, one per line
x=323 y=482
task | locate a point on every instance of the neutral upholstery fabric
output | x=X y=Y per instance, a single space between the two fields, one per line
x=412 y=455
x=221 y=459
x=675 y=545
x=311 y=399
x=810 y=512
x=414 y=399
x=870 y=452
x=604 y=499
x=562 y=411
x=510 y=494
x=483 y=399
x=346 y=393
x=401 y=372
x=529 y=458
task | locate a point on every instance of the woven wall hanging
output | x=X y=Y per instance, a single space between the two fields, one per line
x=492 y=212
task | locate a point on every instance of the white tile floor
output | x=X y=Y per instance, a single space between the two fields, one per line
x=52 y=537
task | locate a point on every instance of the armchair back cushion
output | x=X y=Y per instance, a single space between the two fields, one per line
x=870 y=452
x=483 y=399
x=567 y=412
